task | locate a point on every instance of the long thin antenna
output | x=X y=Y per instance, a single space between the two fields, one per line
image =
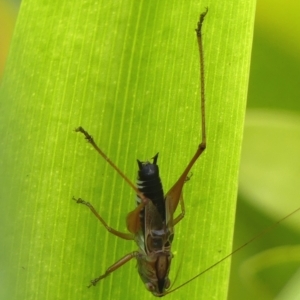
x=257 y=237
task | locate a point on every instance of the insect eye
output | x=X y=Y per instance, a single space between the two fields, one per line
x=150 y=286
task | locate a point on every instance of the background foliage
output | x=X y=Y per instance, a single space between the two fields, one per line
x=269 y=175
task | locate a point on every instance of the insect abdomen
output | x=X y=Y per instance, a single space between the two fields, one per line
x=150 y=185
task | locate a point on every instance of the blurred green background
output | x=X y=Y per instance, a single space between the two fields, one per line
x=270 y=167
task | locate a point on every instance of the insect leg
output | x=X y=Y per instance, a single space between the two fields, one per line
x=90 y=139
x=173 y=197
x=181 y=215
x=123 y=235
x=133 y=216
x=182 y=207
x=115 y=266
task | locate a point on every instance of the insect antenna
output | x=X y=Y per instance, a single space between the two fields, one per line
x=255 y=238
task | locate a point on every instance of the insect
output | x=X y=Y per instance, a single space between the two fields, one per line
x=151 y=223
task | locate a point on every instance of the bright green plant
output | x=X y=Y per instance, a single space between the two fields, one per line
x=129 y=73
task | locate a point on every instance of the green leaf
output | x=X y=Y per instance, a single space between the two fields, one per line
x=129 y=74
